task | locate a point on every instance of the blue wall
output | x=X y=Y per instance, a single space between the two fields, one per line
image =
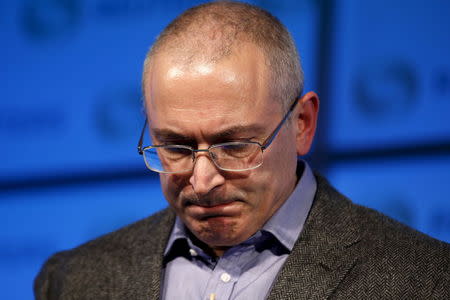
x=70 y=115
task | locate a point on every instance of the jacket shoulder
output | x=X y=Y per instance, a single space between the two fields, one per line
x=391 y=257
x=150 y=229
x=366 y=222
x=102 y=264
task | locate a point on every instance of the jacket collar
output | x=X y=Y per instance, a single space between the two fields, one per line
x=325 y=252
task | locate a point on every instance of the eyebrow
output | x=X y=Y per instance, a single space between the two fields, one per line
x=233 y=132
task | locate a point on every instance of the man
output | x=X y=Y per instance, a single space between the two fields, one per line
x=246 y=219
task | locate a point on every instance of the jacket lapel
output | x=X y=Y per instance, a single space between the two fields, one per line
x=325 y=252
x=142 y=275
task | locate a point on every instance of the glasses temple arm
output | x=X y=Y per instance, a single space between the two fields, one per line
x=141 y=139
x=271 y=137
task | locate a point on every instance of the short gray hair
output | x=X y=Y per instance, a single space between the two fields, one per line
x=212 y=29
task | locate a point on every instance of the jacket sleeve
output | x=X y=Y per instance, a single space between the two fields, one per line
x=442 y=288
x=46 y=282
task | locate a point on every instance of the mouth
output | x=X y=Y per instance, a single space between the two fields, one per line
x=212 y=210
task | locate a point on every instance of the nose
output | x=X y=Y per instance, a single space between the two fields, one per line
x=205 y=175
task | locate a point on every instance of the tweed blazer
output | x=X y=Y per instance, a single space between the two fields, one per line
x=345 y=251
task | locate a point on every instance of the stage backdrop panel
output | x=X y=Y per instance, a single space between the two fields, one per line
x=390 y=83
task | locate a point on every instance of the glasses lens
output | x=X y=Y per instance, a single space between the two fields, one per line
x=237 y=156
x=168 y=159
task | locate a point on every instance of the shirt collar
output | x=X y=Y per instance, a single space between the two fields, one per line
x=287 y=222
x=178 y=232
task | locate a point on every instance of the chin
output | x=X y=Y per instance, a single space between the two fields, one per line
x=220 y=232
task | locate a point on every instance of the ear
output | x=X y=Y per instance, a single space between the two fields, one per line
x=306 y=114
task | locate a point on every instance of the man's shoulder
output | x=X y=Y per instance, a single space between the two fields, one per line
x=114 y=253
x=147 y=230
x=375 y=228
x=354 y=252
x=386 y=254
x=384 y=238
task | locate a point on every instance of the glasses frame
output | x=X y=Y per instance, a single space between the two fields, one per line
x=267 y=142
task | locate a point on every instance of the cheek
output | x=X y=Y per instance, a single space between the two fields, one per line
x=261 y=187
x=172 y=185
x=283 y=156
x=276 y=175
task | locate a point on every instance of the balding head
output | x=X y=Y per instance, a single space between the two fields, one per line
x=213 y=31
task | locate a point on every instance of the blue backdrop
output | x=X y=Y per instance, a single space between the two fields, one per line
x=70 y=115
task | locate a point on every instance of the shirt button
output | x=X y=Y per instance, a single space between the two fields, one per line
x=225 y=277
x=193 y=252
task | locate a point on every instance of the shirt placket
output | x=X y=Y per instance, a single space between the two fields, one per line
x=224 y=277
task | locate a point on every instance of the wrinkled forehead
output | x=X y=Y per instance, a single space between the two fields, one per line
x=242 y=75
x=206 y=94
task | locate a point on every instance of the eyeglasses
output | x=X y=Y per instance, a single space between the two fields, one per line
x=230 y=156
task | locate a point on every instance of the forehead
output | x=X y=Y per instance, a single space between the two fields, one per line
x=209 y=95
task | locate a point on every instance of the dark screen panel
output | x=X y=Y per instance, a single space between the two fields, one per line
x=391 y=77
x=71 y=98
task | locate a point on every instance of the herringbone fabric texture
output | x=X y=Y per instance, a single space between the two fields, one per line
x=345 y=252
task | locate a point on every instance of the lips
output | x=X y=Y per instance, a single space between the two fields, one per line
x=209 y=203
x=227 y=208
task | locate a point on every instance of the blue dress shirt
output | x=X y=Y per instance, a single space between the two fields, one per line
x=245 y=271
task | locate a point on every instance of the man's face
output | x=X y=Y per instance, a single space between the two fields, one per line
x=209 y=103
